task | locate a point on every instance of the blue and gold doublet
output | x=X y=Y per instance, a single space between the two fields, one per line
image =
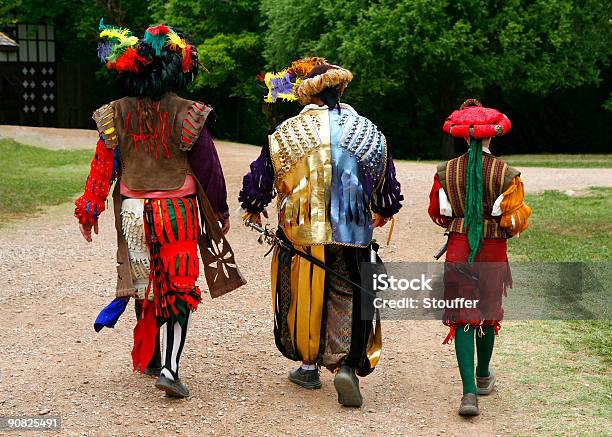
x=326 y=167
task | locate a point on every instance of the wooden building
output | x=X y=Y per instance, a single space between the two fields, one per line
x=36 y=89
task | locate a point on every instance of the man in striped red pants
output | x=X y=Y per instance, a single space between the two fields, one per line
x=169 y=194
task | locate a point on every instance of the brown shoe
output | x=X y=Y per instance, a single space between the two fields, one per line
x=469 y=405
x=485 y=384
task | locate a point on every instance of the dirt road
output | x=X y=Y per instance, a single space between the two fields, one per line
x=53 y=363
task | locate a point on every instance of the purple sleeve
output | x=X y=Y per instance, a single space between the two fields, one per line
x=258 y=185
x=386 y=200
x=206 y=167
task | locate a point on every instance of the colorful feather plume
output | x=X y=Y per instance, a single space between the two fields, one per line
x=179 y=45
x=175 y=42
x=156 y=37
x=281 y=85
x=104 y=51
x=117 y=34
x=120 y=49
x=160 y=29
x=284 y=84
x=129 y=61
x=118 y=41
x=302 y=67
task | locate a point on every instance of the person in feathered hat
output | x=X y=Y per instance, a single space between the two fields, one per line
x=335 y=180
x=479 y=200
x=169 y=195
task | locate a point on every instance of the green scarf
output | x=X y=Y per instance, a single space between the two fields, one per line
x=473 y=198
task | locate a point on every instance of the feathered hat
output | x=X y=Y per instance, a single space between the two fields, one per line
x=474 y=122
x=123 y=52
x=294 y=83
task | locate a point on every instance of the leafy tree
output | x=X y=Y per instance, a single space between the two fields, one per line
x=431 y=54
x=230 y=46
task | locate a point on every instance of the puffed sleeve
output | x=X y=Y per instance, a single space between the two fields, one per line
x=386 y=200
x=514 y=211
x=206 y=166
x=258 y=184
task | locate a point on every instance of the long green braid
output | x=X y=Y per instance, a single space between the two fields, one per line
x=473 y=198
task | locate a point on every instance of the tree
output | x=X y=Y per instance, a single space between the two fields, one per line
x=431 y=54
x=230 y=45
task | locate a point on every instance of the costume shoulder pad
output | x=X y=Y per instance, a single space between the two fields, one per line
x=441 y=168
x=441 y=172
x=194 y=122
x=509 y=176
x=105 y=122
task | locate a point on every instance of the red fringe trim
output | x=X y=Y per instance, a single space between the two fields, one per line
x=451 y=335
x=473 y=323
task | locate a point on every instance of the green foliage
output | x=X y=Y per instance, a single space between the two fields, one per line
x=229 y=59
x=230 y=46
x=431 y=54
x=76 y=21
x=205 y=19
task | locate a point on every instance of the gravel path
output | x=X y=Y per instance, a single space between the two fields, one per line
x=54 y=363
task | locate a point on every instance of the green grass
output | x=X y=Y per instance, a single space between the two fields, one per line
x=555 y=384
x=34 y=178
x=560 y=160
x=559 y=372
x=567 y=228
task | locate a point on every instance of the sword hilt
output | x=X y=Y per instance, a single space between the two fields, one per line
x=266 y=235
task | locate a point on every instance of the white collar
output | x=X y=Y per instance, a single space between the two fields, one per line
x=312 y=106
x=486 y=150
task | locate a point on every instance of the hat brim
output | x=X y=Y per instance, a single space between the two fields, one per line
x=334 y=77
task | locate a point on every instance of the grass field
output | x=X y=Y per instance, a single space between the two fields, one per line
x=34 y=178
x=562 y=369
x=560 y=161
x=567 y=228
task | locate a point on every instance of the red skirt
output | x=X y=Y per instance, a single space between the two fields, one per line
x=486 y=282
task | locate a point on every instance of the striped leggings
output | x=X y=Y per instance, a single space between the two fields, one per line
x=173 y=340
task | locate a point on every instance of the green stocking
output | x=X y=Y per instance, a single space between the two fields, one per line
x=484 y=349
x=464 y=348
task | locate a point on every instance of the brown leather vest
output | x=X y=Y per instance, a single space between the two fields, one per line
x=153 y=138
x=496 y=175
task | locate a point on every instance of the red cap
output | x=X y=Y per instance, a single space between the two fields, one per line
x=475 y=121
